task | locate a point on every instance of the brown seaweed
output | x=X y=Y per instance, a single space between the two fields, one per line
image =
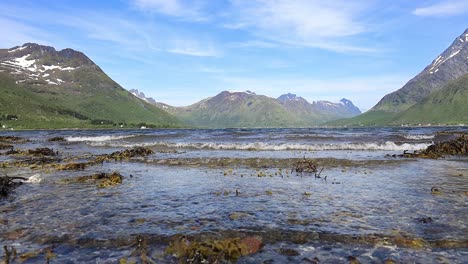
x=102 y=180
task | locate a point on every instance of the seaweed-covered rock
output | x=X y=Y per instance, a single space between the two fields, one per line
x=5 y=146
x=455 y=147
x=72 y=166
x=109 y=180
x=305 y=165
x=12 y=139
x=211 y=251
x=42 y=152
x=102 y=180
x=288 y=252
x=126 y=154
x=56 y=139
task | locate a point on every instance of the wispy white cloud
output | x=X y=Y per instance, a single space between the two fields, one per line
x=14 y=33
x=191 y=51
x=211 y=69
x=193 y=48
x=170 y=7
x=445 y=8
x=183 y=9
x=254 y=44
x=114 y=28
x=314 y=23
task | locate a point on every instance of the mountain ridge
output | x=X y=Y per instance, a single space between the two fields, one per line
x=248 y=109
x=46 y=88
x=451 y=64
x=400 y=107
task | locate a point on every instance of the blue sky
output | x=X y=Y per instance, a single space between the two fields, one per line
x=181 y=51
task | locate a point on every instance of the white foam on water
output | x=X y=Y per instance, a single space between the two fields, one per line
x=387 y=146
x=418 y=137
x=36 y=178
x=96 y=138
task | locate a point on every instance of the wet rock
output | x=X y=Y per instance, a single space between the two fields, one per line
x=425 y=220
x=315 y=260
x=12 y=139
x=288 y=252
x=305 y=166
x=42 y=152
x=72 y=166
x=56 y=139
x=109 y=180
x=409 y=242
x=102 y=180
x=126 y=154
x=237 y=215
x=454 y=147
x=208 y=251
x=353 y=260
x=436 y=190
x=253 y=244
x=7 y=184
x=5 y=146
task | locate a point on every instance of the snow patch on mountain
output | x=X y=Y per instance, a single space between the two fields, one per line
x=22 y=62
x=17 y=49
x=440 y=60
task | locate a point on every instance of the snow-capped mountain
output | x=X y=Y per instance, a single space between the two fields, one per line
x=44 y=88
x=448 y=66
x=142 y=96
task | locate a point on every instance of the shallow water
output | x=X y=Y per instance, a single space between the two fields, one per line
x=364 y=204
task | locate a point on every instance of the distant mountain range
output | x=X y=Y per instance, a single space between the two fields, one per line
x=247 y=109
x=437 y=95
x=44 y=88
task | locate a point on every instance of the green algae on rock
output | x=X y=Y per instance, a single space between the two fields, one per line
x=209 y=251
x=102 y=180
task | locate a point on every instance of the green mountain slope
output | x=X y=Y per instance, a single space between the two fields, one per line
x=409 y=104
x=448 y=105
x=44 y=88
x=317 y=112
x=237 y=109
x=448 y=66
x=247 y=109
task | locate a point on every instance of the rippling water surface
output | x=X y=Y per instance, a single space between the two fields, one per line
x=239 y=183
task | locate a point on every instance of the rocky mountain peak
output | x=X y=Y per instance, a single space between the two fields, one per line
x=290 y=98
x=455 y=54
x=142 y=96
x=42 y=65
x=345 y=101
x=448 y=66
